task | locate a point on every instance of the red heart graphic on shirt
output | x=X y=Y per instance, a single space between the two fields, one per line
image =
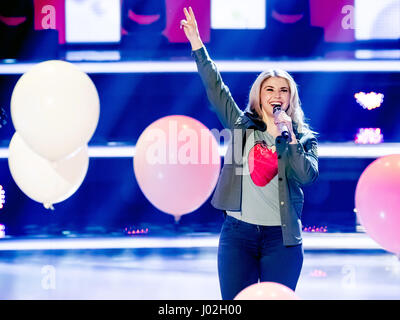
x=263 y=164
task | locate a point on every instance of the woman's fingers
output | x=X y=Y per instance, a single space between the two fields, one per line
x=187 y=15
x=283 y=118
x=192 y=14
x=183 y=23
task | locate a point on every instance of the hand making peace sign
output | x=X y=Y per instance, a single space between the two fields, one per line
x=190 y=28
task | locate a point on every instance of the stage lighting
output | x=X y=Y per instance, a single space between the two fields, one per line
x=369 y=136
x=370 y=100
x=2 y=197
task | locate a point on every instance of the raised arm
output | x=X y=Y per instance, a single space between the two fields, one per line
x=218 y=93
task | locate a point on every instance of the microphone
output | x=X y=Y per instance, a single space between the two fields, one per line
x=281 y=126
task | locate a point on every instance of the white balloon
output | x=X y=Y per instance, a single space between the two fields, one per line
x=55 y=107
x=42 y=180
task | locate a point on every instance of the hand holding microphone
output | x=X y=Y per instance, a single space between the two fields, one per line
x=283 y=122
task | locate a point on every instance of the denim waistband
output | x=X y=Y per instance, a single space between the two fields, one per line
x=249 y=226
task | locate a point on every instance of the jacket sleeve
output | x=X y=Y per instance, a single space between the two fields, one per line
x=218 y=93
x=302 y=160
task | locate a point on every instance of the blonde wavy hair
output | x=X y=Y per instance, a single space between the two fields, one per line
x=294 y=110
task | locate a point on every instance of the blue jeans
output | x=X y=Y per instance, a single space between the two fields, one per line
x=248 y=253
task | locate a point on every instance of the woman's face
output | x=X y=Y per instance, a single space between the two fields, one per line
x=274 y=90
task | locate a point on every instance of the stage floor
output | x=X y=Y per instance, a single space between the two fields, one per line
x=336 y=266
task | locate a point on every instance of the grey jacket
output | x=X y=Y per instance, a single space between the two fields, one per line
x=297 y=163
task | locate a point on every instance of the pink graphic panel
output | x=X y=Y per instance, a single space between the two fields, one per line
x=175 y=14
x=50 y=14
x=336 y=17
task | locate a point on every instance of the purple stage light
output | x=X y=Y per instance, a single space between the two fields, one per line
x=370 y=100
x=318 y=229
x=2 y=197
x=369 y=136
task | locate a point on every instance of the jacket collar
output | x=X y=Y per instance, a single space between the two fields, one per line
x=252 y=121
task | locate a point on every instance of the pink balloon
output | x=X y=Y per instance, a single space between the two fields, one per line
x=267 y=291
x=177 y=164
x=377 y=201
